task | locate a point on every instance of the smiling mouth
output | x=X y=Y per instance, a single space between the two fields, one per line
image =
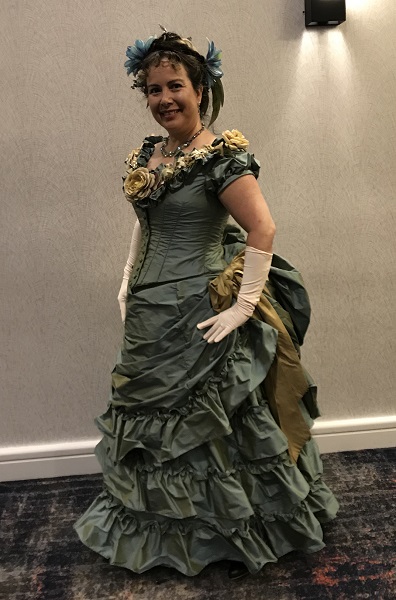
x=165 y=113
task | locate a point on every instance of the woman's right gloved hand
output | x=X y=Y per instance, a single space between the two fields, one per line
x=257 y=264
x=133 y=252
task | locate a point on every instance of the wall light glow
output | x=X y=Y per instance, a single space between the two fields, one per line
x=357 y=5
x=328 y=42
x=324 y=63
x=326 y=49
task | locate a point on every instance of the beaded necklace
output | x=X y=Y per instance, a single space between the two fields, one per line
x=184 y=145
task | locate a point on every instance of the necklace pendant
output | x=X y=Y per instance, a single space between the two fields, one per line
x=172 y=153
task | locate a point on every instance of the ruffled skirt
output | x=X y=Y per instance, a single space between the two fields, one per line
x=196 y=466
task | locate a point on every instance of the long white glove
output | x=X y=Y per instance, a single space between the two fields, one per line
x=255 y=273
x=133 y=252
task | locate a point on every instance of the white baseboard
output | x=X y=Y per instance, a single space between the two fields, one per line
x=77 y=458
x=355 y=434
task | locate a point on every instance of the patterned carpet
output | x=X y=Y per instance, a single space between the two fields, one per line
x=41 y=557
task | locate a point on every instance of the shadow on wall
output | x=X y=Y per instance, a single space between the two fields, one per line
x=291 y=20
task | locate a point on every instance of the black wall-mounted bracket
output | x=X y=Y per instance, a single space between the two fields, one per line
x=319 y=13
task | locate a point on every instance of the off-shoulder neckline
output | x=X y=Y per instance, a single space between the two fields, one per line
x=148 y=185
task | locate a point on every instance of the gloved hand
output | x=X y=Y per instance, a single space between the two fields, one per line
x=133 y=252
x=255 y=273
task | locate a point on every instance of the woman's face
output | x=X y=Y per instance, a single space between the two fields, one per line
x=172 y=99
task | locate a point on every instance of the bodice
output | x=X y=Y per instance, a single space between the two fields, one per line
x=181 y=217
x=181 y=236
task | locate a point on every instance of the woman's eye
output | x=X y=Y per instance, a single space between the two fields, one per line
x=154 y=91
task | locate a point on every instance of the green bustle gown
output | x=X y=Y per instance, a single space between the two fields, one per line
x=196 y=468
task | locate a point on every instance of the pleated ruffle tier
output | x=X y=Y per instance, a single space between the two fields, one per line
x=208 y=480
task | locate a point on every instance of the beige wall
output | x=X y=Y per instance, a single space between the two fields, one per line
x=319 y=109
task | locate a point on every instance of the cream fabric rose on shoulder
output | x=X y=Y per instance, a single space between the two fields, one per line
x=139 y=183
x=132 y=156
x=235 y=140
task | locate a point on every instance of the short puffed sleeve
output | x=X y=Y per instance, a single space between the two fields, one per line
x=226 y=169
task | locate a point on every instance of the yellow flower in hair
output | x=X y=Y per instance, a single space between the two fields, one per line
x=188 y=42
x=235 y=140
x=140 y=183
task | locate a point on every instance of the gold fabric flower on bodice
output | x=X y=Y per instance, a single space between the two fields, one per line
x=140 y=183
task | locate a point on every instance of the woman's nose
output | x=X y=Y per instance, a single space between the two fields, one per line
x=166 y=98
x=165 y=101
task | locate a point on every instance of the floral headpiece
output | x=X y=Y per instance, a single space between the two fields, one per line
x=138 y=52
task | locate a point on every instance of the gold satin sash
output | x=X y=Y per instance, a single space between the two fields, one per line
x=285 y=383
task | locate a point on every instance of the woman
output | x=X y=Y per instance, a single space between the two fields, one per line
x=206 y=451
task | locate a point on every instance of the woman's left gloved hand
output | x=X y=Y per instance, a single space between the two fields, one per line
x=255 y=273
